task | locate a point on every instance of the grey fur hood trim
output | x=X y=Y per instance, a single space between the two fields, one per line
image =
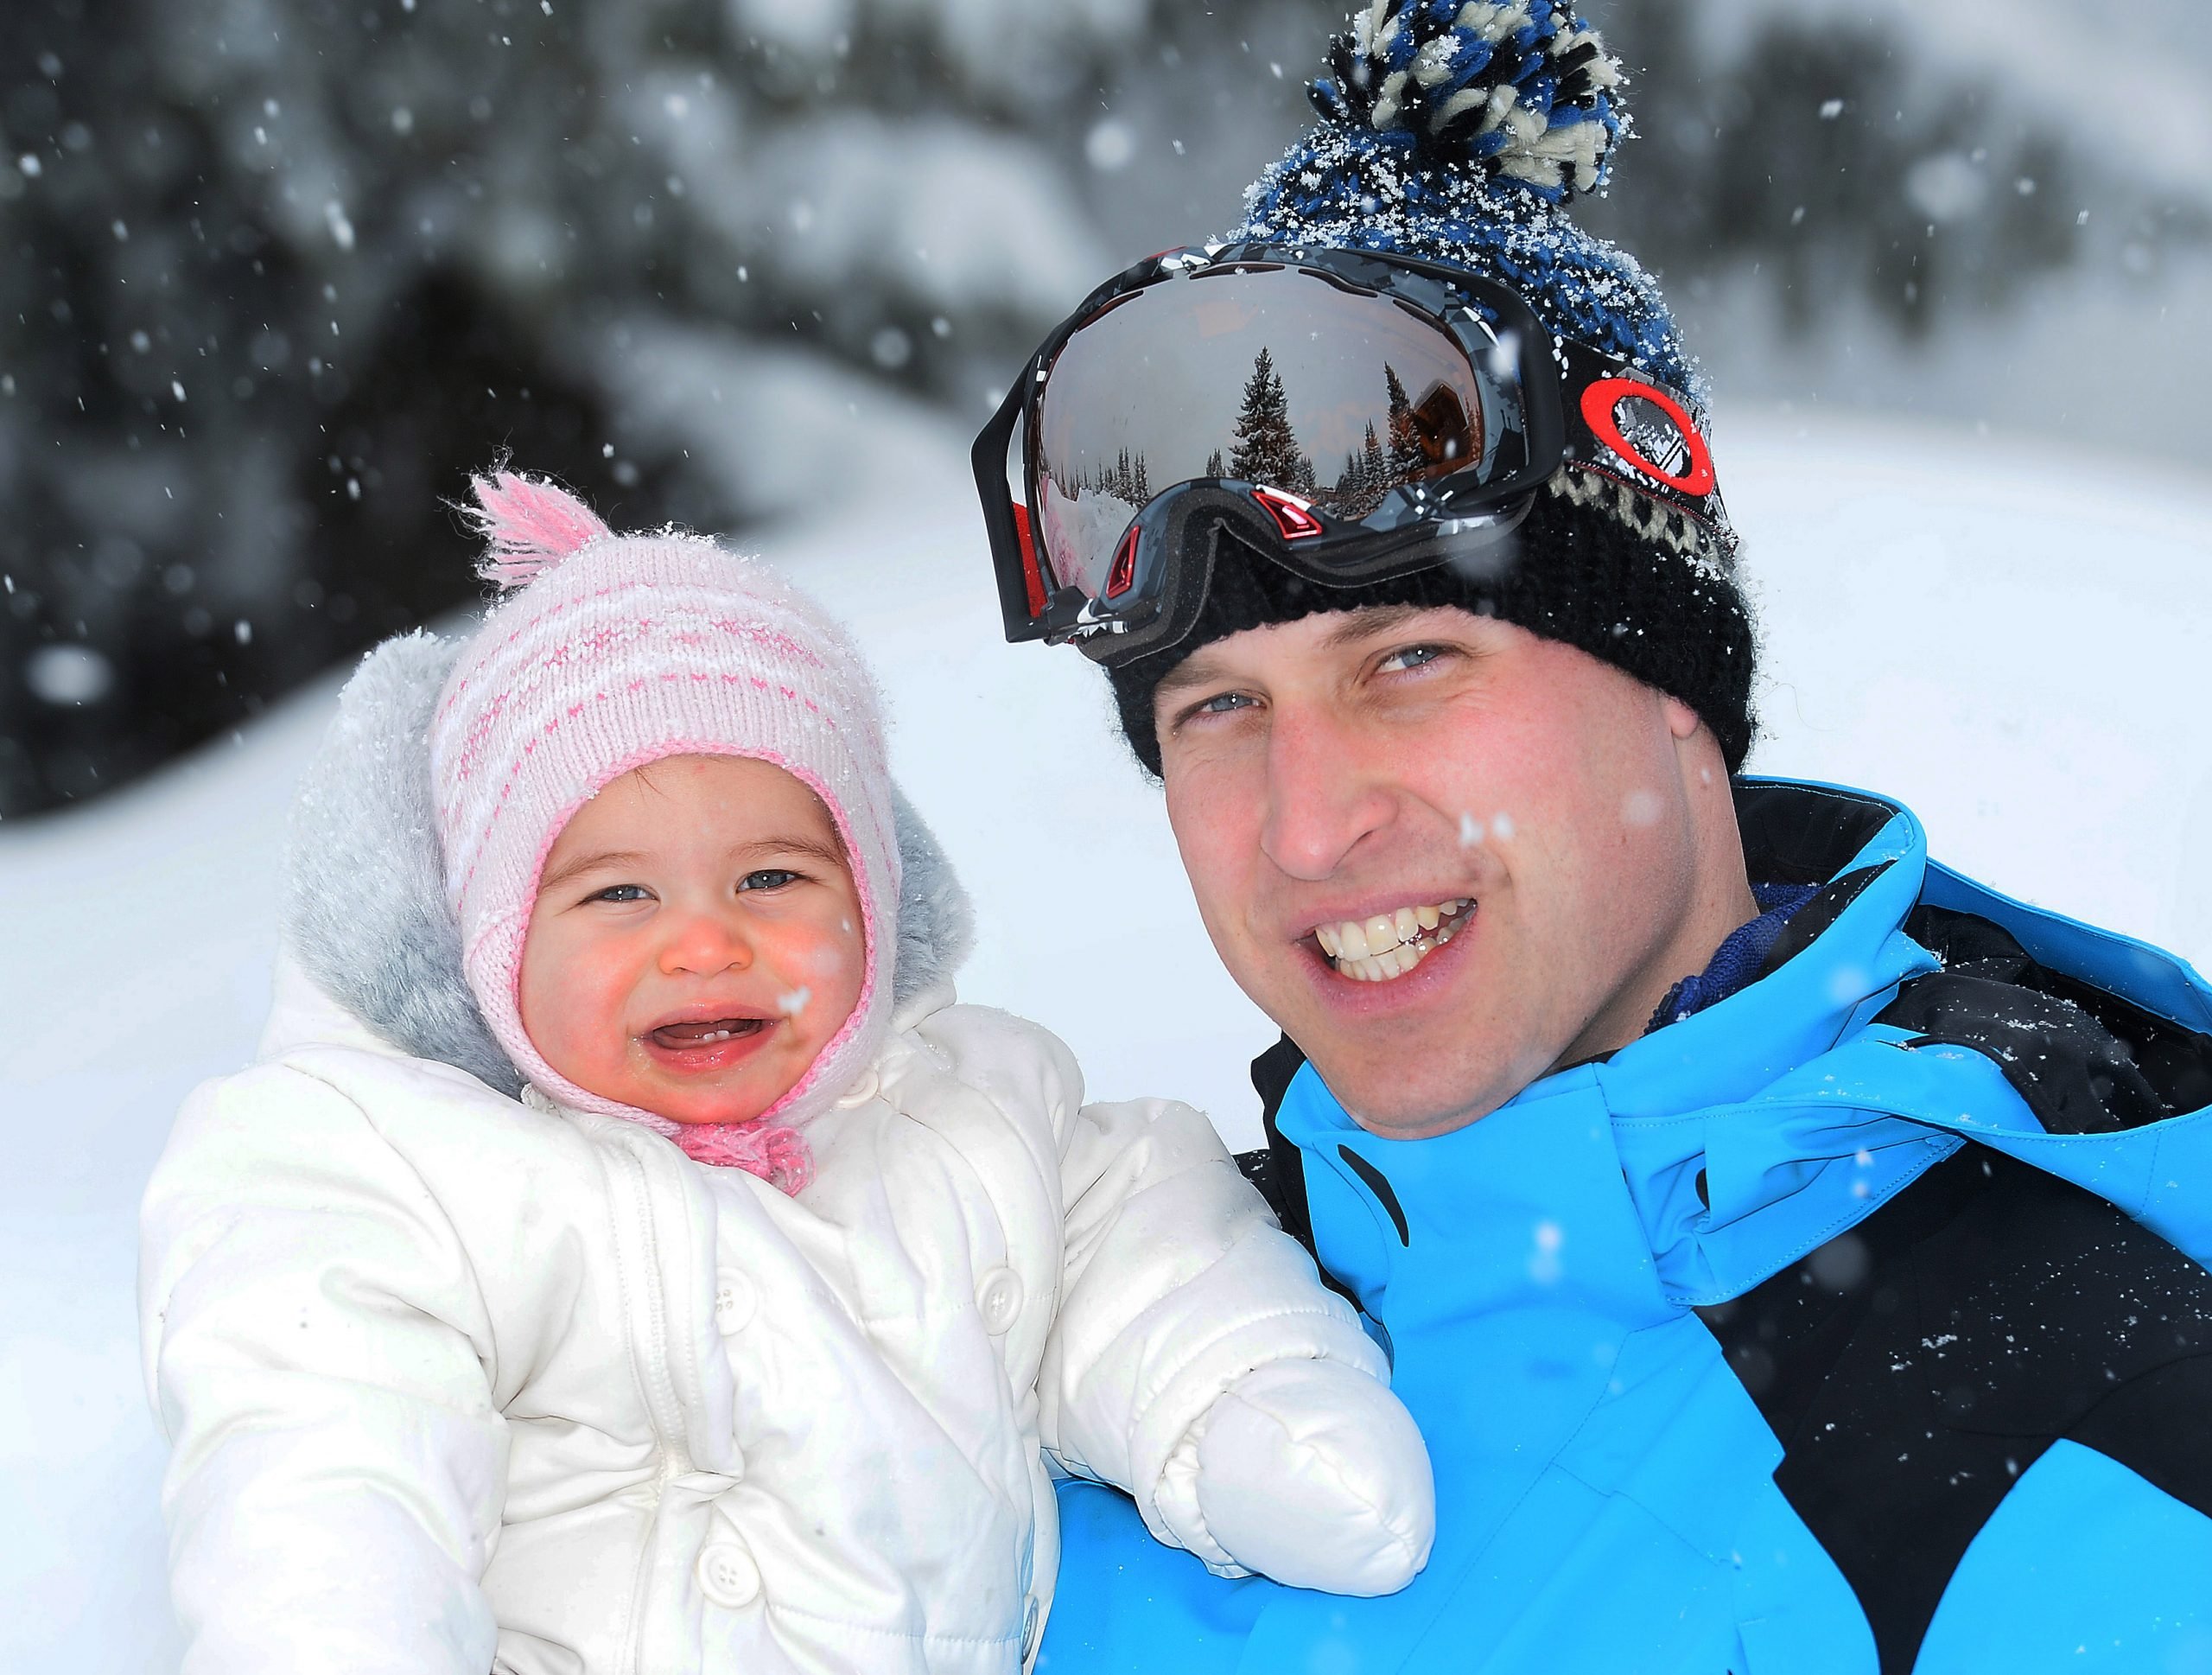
x=365 y=901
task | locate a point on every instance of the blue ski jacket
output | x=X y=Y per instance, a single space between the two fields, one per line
x=1861 y=1322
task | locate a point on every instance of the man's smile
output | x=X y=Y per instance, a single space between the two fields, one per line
x=1384 y=946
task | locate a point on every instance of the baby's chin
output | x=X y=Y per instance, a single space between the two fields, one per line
x=736 y=1111
x=695 y=1101
x=701 y=1107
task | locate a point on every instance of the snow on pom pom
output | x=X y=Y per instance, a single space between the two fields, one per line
x=1523 y=89
x=527 y=524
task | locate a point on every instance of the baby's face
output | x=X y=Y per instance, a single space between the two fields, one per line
x=696 y=939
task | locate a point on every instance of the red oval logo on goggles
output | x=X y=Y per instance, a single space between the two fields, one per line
x=1657 y=436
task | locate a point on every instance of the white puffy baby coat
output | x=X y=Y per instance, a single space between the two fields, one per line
x=461 y=1382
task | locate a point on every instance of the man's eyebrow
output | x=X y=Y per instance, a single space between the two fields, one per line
x=1366 y=623
x=1196 y=670
x=579 y=865
x=1370 y=620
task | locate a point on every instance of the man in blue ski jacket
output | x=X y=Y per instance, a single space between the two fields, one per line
x=1793 y=1252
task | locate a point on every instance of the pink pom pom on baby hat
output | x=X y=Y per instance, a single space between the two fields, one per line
x=528 y=526
x=606 y=652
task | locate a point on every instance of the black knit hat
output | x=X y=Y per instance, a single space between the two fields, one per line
x=1577 y=574
x=1458 y=134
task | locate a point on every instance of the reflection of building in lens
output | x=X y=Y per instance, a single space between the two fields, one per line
x=1449 y=440
x=1432 y=437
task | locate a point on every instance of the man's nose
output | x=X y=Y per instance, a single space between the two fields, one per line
x=706 y=942
x=1323 y=796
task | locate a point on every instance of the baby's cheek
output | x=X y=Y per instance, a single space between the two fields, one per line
x=829 y=965
x=573 y=1011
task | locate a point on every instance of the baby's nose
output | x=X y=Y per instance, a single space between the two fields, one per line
x=706 y=944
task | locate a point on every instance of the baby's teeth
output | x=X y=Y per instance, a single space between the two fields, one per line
x=1331 y=943
x=1428 y=918
x=1382 y=931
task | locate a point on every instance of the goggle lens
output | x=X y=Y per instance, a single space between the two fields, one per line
x=1276 y=376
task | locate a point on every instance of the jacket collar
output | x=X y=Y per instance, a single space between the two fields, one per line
x=1691 y=1163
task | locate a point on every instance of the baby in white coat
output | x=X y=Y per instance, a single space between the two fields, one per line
x=466 y=1367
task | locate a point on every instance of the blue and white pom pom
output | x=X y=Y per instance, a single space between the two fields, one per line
x=1523 y=89
x=1461 y=132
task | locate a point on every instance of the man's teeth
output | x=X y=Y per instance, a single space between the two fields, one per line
x=1390 y=944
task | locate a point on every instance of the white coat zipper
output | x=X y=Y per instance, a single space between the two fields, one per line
x=636 y=1249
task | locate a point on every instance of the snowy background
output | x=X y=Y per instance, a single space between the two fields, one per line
x=758 y=265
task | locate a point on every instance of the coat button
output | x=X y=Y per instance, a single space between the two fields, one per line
x=728 y=1575
x=735 y=1301
x=861 y=1091
x=1029 y=1616
x=998 y=1295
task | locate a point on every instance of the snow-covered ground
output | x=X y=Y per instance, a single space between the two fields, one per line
x=2007 y=636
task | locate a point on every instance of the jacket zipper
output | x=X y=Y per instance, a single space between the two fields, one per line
x=658 y=1385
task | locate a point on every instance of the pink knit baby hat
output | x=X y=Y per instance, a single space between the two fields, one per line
x=606 y=652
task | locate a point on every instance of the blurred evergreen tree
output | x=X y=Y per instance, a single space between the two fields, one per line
x=275 y=275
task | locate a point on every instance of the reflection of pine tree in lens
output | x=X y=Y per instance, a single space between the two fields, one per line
x=1126 y=480
x=1407 y=460
x=1365 y=480
x=1267 y=449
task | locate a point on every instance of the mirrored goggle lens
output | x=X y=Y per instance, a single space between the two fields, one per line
x=1269 y=375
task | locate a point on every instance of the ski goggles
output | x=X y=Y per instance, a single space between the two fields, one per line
x=1352 y=416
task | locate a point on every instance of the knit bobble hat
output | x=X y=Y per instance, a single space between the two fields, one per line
x=604 y=653
x=1458 y=131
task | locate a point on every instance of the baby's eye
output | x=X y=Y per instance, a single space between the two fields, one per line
x=768 y=878
x=621 y=893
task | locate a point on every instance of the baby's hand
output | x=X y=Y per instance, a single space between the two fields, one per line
x=1313 y=1473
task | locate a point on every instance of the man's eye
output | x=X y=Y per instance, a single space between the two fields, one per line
x=621 y=893
x=1223 y=704
x=768 y=878
x=1409 y=657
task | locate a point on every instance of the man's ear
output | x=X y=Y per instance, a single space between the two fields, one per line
x=1682 y=721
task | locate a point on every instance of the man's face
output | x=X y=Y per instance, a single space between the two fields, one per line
x=1528 y=812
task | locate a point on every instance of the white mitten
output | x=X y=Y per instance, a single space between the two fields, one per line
x=1313 y=1473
